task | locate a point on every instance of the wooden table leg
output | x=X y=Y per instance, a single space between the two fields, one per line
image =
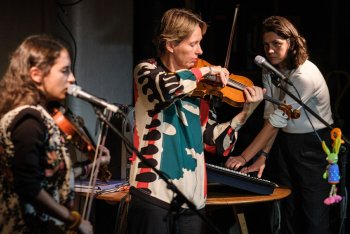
x=240 y=218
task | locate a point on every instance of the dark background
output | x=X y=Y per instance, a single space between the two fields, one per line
x=108 y=37
x=324 y=24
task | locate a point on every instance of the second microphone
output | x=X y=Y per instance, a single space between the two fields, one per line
x=77 y=91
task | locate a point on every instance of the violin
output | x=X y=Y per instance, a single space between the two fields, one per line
x=74 y=134
x=232 y=93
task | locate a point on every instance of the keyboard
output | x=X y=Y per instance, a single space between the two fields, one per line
x=239 y=180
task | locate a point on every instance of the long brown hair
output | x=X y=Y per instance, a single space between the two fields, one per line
x=176 y=25
x=285 y=29
x=17 y=88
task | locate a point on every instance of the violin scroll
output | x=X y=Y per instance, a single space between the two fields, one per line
x=287 y=109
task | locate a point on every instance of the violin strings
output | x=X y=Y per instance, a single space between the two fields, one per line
x=239 y=85
x=236 y=84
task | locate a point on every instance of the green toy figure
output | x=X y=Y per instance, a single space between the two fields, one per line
x=332 y=171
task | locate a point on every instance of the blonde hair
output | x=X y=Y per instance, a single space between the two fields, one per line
x=17 y=88
x=176 y=25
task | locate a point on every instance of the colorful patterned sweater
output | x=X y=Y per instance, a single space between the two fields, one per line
x=171 y=131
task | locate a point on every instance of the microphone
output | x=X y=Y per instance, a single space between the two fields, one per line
x=76 y=91
x=261 y=62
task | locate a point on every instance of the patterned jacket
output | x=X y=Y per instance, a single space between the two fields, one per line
x=171 y=131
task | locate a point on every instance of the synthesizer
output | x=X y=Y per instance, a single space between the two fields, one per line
x=239 y=180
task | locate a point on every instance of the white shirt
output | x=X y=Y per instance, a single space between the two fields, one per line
x=312 y=88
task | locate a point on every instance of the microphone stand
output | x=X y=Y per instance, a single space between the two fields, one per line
x=179 y=199
x=342 y=152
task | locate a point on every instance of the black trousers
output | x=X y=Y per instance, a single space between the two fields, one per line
x=302 y=163
x=147 y=215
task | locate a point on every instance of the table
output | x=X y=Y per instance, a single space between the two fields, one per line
x=112 y=197
x=227 y=197
x=217 y=198
x=221 y=195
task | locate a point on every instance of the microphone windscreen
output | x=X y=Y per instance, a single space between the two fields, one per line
x=259 y=59
x=73 y=90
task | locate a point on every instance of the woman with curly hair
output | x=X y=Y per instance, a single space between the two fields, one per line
x=36 y=172
x=301 y=160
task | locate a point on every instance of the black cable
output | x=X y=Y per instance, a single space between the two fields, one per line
x=343 y=161
x=74 y=52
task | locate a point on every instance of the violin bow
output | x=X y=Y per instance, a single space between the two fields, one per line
x=229 y=47
x=95 y=168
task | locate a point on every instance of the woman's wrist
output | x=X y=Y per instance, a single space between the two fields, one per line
x=245 y=160
x=263 y=153
x=74 y=220
x=205 y=71
x=239 y=119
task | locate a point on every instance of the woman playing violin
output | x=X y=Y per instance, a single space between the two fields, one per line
x=172 y=128
x=36 y=173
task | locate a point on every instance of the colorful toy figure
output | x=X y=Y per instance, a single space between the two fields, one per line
x=332 y=171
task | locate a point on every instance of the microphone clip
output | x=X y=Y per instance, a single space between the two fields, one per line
x=276 y=80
